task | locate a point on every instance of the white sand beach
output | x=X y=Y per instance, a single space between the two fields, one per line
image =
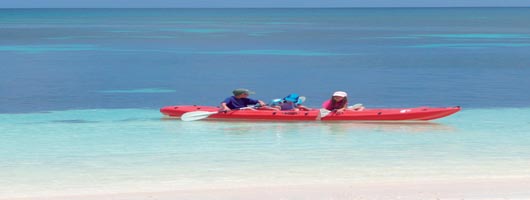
x=490 y=189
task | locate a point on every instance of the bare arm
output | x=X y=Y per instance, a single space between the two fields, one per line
x=341 y=110
x=224 y=107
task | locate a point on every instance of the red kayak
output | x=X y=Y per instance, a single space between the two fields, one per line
x=376 y=114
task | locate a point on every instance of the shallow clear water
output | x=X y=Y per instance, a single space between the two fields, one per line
x=99 y=151
x=80 y=91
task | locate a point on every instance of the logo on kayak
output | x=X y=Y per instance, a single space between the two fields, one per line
x=405 y=111
x=290 y=113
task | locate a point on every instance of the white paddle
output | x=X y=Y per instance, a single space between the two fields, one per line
x=324 y=112
x=356 y=106
x=196 y=115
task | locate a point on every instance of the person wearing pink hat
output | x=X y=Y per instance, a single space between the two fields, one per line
x=338 y=102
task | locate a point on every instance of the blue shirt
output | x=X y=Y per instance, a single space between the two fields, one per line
x=235 y=103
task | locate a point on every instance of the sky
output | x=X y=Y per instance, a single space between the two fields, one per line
x=256 y=3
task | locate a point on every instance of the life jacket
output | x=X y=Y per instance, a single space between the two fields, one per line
x=293 y=97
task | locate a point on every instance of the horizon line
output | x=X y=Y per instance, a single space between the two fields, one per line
x=331 y=7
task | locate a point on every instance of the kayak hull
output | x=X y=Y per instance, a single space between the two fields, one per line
x=394 y=114
x=249 y=114
x=379 y=114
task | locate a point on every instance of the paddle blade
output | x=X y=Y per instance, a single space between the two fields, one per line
x=324 y=112
x=356 y=106
x=196 y=115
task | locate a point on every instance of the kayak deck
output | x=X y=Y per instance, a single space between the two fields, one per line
x=367 y=114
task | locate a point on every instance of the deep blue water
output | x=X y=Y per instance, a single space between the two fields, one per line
x=61 y=59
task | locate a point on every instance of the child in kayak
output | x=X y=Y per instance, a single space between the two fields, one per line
x=239 y=100
x=339 y=103
x=290 y=102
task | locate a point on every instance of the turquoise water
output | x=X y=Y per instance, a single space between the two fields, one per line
x=80 y=91
x=123 y=150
